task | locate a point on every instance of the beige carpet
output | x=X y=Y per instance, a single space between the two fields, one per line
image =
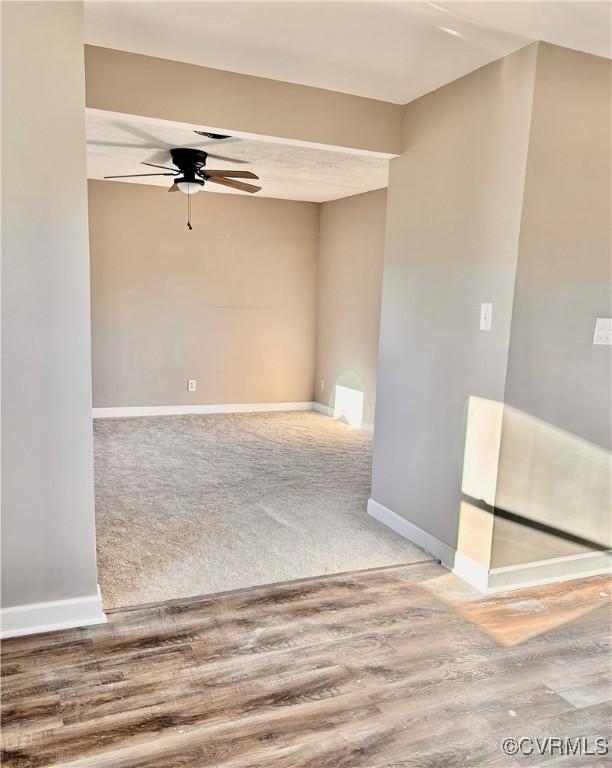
x=188 y=505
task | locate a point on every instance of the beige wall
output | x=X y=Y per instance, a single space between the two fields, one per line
x=231 y=304
x=142 y=85
x=349 y=281
x=555 y=467
x=48 y=532
x=453 y=219
x=234 y=307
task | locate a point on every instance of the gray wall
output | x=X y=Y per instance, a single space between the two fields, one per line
x=231 y=304
x=453 y=215
x=48 y=539
x=497 y=442
x=554 y=462
x=349 y=281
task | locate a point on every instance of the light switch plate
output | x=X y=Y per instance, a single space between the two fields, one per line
x=486 y=313
x=603 y=331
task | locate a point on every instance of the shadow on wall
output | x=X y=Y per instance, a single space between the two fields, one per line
x=532 y=491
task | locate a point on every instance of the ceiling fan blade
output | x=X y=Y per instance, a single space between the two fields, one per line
x=136 y=175
x=120 y=144
x=207 y=142
x=153 y=165
x=235 y=184
x=163 y=156
x=234 y=174
x=140 y=133
x=226 y=159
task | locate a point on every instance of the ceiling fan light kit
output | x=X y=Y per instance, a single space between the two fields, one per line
x=188 y=187
x=192 y=173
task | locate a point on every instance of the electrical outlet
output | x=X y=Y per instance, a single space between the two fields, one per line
x=603 y=331
x=192 y=385
x=322 y=384
x=486 y=312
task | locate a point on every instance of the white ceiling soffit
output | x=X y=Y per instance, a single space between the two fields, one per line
x=118 y=144
x=391 y=51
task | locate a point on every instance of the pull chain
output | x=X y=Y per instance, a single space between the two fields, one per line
x=189 y=208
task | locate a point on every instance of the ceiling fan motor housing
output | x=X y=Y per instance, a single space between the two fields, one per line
x=189 y=161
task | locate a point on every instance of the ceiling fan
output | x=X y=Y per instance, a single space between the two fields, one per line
x=192 y=174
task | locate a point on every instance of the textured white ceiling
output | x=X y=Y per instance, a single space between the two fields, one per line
x=392 y=51
x=118 y=144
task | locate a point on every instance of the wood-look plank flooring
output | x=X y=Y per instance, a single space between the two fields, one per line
x=400 y=667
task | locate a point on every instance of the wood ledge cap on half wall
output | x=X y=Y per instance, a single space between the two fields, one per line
x=490 y=581
x=50 y=616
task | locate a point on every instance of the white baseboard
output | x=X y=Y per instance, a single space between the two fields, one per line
x=496 y=579
x=548 y=571
x=474 y=573
x=47 y=617
x=181 y=410
x=320 y=408
x=412 y=532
